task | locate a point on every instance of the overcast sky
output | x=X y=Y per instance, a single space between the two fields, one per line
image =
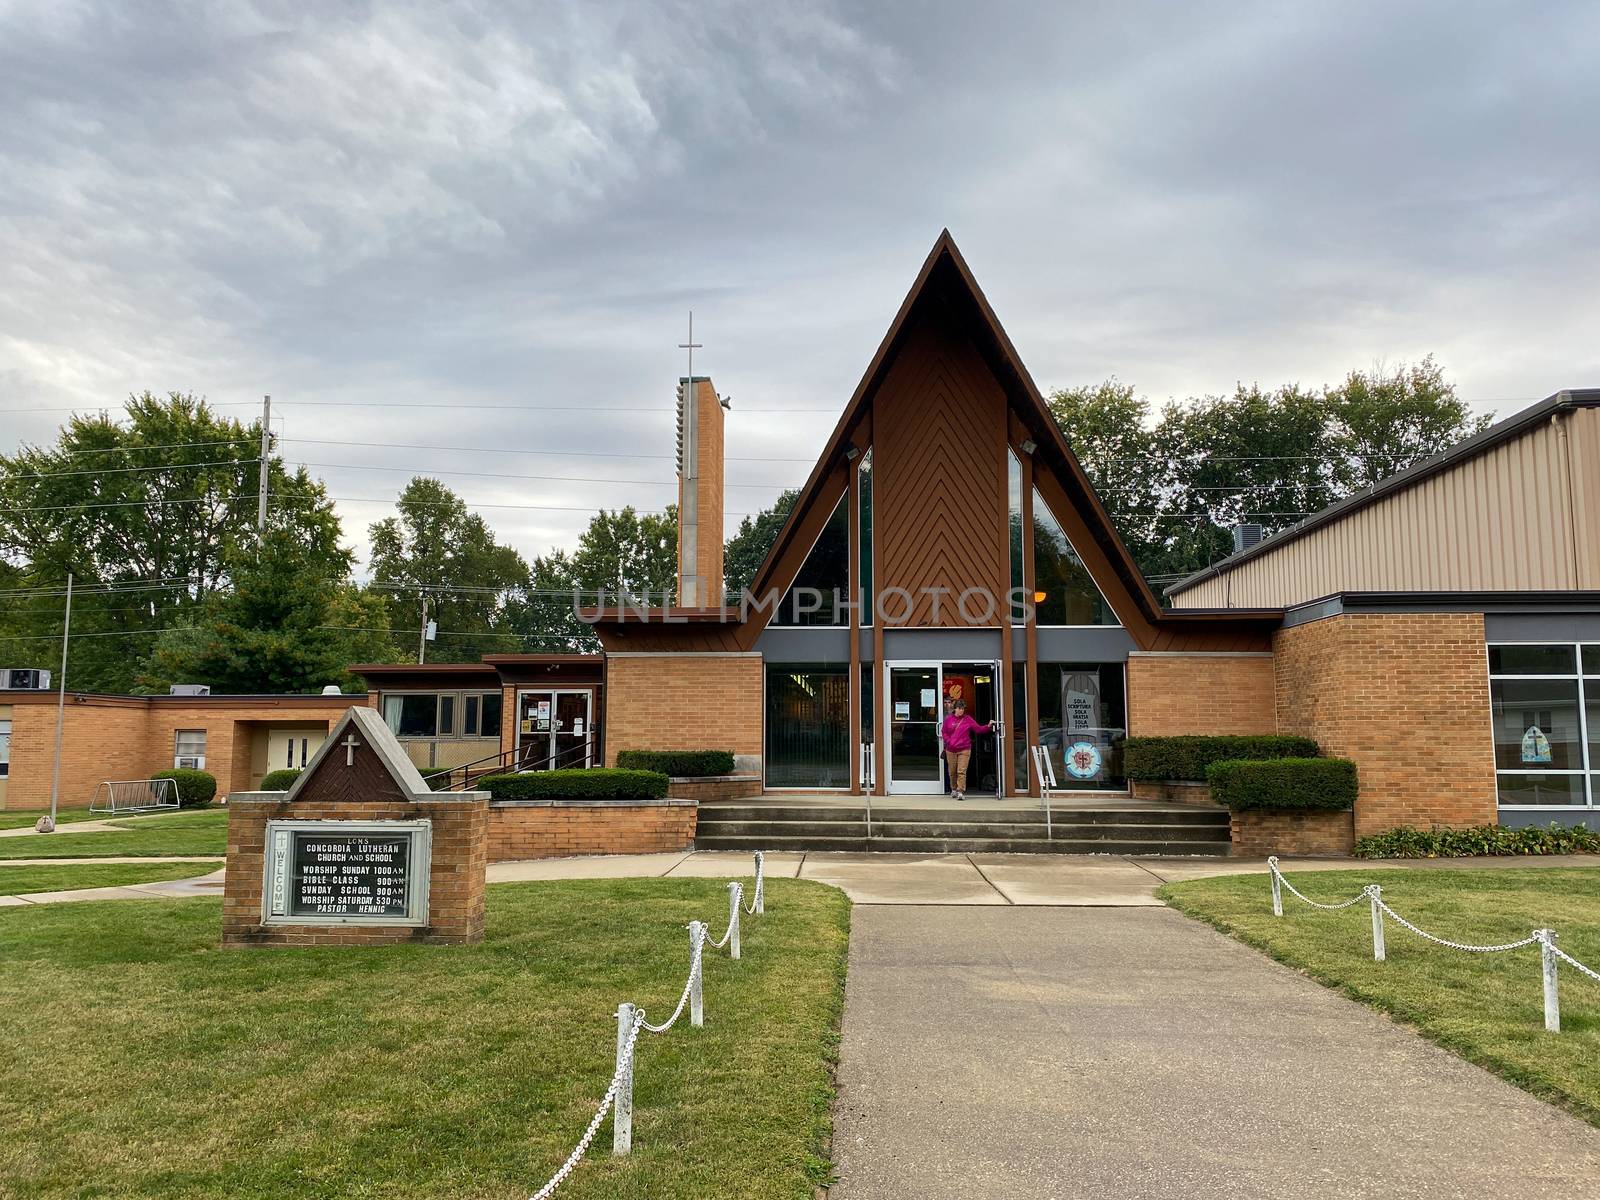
x=362 y=207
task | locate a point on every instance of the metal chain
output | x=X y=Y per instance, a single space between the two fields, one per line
x=1314 y=904
x=1562 y=954
x=1423 y=933
x=577 y=1154
x=738 y=903
x=694 y=973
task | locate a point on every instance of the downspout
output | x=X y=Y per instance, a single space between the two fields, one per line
x=1564 y=453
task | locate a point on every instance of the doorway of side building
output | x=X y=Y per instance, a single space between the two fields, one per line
x=555 y=728
x=920 y=695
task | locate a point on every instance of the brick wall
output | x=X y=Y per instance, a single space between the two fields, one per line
x=563 y=829
x=714 y=787
x=683 y=702
x=1404 y=695
x=1170 y=694
x=1322 y=834
x=455 y=877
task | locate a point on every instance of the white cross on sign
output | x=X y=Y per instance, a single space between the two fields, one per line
x=350 y=747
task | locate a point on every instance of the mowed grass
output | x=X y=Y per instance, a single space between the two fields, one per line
x=16 y=880
x=201 y=831
x=148 y=1062
x=1488 y=1008
x=24 y=818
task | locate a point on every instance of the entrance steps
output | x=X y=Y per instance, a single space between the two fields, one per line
x=975 y=827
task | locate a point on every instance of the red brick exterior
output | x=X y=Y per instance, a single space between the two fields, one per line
x=562 y=830
x=1324 y=834
x=455 y=878
x=1174 y=791
x=1404 y=695
x=715 y=787
x=683 y=702
x=1170 y=694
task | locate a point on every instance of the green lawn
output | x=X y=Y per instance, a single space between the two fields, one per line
x=202 y=831
x=1486 y=1007
x=17 y=880
x=156 y=1064
x=25 y=818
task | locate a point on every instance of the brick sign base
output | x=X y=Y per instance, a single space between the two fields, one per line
x=563 y=828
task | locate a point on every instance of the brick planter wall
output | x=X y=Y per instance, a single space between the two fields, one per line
x=714 y=787
x=520 y=829
x=455 y=880
x=1258 y=833
x=1174 y=791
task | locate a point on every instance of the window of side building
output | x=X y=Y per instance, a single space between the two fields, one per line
x=1544 y=702
x=5 y=747
x=1083 y=722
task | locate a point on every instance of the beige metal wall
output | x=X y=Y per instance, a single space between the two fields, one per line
x=1519 y=517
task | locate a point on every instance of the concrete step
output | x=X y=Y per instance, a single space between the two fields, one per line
x=977 y=812
x=962 y=845
x=1013 y=830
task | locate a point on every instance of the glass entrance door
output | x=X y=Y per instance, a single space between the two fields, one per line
x=554 y=729
x=914 y=761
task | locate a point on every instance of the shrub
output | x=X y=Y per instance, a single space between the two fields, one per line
x=594 y=783
x=678 y=762
x=1188 y=757
x=196 y=789
x=1292 y=783
x=437 y=778
x=280 y=780
x=1406 y=842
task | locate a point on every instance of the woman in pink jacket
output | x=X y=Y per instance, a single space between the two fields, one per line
x=956 y=733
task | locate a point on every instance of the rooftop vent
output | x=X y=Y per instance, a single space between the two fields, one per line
x=191 y=689
x=24 y=679
x=1246 y=535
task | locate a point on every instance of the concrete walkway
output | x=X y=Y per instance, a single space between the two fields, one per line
x=1054 y=1053
x=169 y=889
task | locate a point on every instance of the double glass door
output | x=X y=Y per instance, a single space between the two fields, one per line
x=920 y=696
x=554 y=729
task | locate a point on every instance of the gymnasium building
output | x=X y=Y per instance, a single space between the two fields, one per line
x=1441 y=629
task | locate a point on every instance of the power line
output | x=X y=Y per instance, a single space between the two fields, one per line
x=386 y=404
x=526 y=478
x=129 y=449
x=507 y=450
x=98 y=471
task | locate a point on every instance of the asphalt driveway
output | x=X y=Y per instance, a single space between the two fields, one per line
x=1030 y=1053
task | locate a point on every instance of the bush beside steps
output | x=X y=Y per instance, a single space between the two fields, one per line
x=1283 y=784
x=678 y=763
x=1187 y=757
x=592 y=783
x=195 y=789
x=280 y=780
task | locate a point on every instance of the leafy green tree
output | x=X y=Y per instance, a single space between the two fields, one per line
x=434 y=549
x=287 y=624
x=1383 y=421
x=155 y=503
x=747 y=549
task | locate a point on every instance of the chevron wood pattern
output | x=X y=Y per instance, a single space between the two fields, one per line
x=938 y=457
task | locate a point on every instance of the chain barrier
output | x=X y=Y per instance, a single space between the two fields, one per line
x=1549 y=952
x=631 y=1022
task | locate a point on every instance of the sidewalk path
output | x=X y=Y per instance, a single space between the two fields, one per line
x=168 y=889
x=1058 y=1053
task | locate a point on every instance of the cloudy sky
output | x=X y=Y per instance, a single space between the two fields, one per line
x=482 y=225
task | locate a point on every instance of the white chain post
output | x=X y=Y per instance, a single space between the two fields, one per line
x=697 y=1008
x=1277 y=888
x=1375 y=894
x=735 y=903
x=622 y=1106
x=1552 y=989
x=761 y=881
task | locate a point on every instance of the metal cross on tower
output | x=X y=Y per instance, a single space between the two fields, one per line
x=691 y=346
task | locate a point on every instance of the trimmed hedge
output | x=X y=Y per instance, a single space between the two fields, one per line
x=1478 y=840
x=437 y=778
x=593 y=783
x=1283 y=783
x=196 y=789
x=1188 y=757
x=678 y=762
x=280 y=780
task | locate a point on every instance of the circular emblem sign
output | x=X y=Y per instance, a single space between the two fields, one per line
x=1083 y=760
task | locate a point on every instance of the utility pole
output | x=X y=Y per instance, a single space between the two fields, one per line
x=266 y=450
x=422 y=639
x=61 y=706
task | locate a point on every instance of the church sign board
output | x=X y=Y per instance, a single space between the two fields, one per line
x=359 y=851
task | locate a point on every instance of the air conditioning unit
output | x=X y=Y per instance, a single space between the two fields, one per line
x=191 y=689
x=1245 y=536
x=190 y=762
x=24 y=679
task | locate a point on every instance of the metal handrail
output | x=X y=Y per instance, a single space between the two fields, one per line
x=518 y=758
x=1046 y=771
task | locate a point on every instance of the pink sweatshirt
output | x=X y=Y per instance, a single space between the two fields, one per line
x=958 y=729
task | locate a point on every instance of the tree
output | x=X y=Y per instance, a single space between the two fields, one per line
x=435 y=548
x=285 y=625
x=747 y=549
x=152 y=506
x=1383 y=421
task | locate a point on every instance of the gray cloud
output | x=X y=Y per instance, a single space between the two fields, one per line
x=483 y=204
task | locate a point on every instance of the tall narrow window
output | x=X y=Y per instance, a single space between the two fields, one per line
x=820 y=589
x=867 y=597
x=489 y=725
x=1542 y=700
x=1083 y=722
x=1064 y=593
x=1014 y=503
x=5 y=748
x=469 y=716
x=808 y=726
x=447 y=715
